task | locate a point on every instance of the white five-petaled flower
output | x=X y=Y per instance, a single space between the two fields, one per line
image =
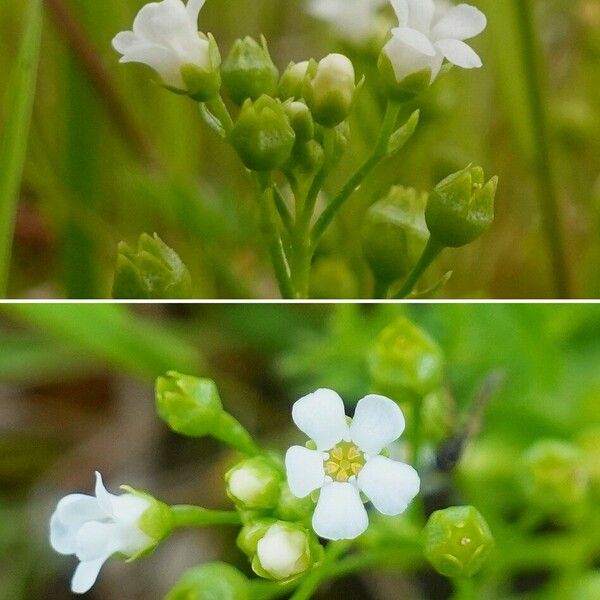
x=96 y=527
x=165 y=37
x=348 y=461
x=353 y=20
x=430 y=31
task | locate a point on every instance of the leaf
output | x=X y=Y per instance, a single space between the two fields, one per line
x=13 y=147
x=401 y=136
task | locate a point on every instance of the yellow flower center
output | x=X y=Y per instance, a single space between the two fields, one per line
x=344 y=461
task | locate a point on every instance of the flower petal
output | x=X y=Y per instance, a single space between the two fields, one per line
x=459 y=54
x=415 y=39
x=123 y=41
x=377 y=422
x=460 y=23
x=163 y=60
x=401 y=9
x=321 y=416
x=305 y=470
x=389 y=485
x=96 y=540
x=193 y=9
x=166 y=22
x=85 y=575
x=340 y=514
x=71 y=513
x=420 y=14
x=105 y=499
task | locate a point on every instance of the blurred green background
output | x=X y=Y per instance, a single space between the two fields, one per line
x=76 y=395
x=111 y=155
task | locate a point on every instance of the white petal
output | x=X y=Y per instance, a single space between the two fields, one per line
x=389 y=485
x=378 y=421
x=128 y=509
x=193 y=9
x=166 y=22
x=420 y=14
x=71 y=513
x=164 y=61
x=305 y=472
x=340 y=514
x=401 y=9
x=407 y=61
x=460 y=23
x=459 y=54
x=123 y=41
x=105 y=499
x=96 y=540
x=85 y=576
x=415 y=39
x=321 y=416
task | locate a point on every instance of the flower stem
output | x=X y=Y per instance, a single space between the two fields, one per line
x=547 y=189
x=194 y=516
x=230 y=431
x=387 y=128
x=464 y=589
x=381 y=289
x=431 y=252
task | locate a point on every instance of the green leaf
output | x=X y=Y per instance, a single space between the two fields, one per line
x=13 y=147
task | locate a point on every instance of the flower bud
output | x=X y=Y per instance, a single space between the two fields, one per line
x=301 y=120
x=308 y=157
x=457 y=541
x=331 y=90
x=553 y=477
x=189 y=405
x=152 y=272
x=292 y=508
x=251 y=533
x=332 y=278
x=254 y=484
x=291 y=84
x=202 y=83
x=394 y=234
x=262 y=135
x=403 y=85
x=248 y=71
x=211 y=581
x=461 y=207
x=405 y=361
x=285 y=551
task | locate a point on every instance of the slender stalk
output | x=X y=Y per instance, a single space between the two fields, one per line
x=431 y=252
x=381 y=289
x=194 y=516
x=230 y=431
x=387 y=129
x=282 y=209
x=464 y=589
x=268 y=216
x=21 y=90
x=547 y=190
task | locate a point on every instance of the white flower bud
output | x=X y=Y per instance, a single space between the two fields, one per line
x=284 y=551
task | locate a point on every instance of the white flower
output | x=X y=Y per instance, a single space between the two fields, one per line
x=165 y=37
x=347 y=461
x=431 y=31
x=353 y=20
x=95 y=528
x=283 y=551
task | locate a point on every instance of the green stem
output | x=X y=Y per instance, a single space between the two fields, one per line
x=21 y=92
x=194 y=516
x=431 y=252
x=218 y=109
x=464 y=589
x=381 y=289
x=282 y=209
x=547 y=190
x=268 y=215
x=230 y=431
x=387 y=129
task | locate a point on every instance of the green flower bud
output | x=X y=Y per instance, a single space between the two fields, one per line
x=438 y=416
x=152 y=272
x=251 y=533
x=203 y=84
x=262 y=135
x=301 y=120
x=156 y=521
x=330 y=89
x=405 y=361
x=457 y=541
x=291 y=84
x=409 y=87
x=461 y=207
x=553 y=478
x=292 y=508
x=189 y=405
x=308 y=157
x=394 y=234
x=285 y=551
x=211 y=581
x=332 y=278
x=248 y=71
x=254 y=484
